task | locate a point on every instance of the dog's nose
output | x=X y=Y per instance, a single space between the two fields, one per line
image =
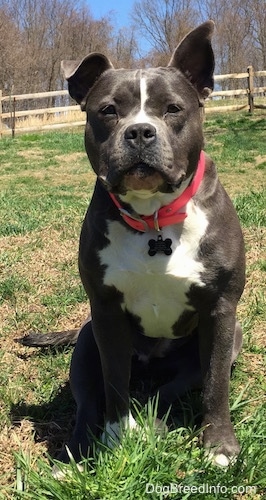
x=140 y=133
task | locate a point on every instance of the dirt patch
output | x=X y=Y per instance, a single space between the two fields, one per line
x=19 y=439
x=260 y=159
x=242 y=181
x=35 y=153
x=70 y=158
x=252 y=305
x=47 y=264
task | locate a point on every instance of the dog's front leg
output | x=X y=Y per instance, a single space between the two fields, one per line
x=216 y=339
x=112 y=332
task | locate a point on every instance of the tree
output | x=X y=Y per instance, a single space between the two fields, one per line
x=240 y=36
x=37 y=34
x=124 y=48
x=256 y=12
x=10 y=51
x=164 y=23
x=232 y=37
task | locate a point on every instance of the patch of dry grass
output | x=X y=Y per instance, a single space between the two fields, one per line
x=240 y=182
x=50 y=119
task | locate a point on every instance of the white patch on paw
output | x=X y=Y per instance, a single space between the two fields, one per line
x=113 y=431
x=61 y=473
x=58 y=474
x=130 y=422
x=221 y=460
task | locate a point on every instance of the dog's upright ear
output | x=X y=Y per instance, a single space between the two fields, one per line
x=195 y=59
x=81 y=75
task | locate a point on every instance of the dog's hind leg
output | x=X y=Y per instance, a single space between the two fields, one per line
x=238 y=341
x=184 y=366
x=86 y=383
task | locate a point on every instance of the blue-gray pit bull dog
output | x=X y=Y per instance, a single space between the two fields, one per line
x=161 y=252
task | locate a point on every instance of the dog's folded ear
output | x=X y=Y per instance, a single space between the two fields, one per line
x=195 y=59
x=81 y=75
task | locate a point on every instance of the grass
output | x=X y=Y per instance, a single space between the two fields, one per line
x=45 y=188
x=149 y=464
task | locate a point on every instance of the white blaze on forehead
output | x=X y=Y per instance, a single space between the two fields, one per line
x=141 y=116
x=143 y=93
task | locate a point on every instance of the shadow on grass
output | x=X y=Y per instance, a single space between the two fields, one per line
x=53 y=421
x=172 y=377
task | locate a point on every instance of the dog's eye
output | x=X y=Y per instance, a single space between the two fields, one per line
x=173 y=108
x=108 y=110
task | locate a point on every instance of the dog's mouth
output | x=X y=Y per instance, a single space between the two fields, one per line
x=141 y=170
x=142 y=176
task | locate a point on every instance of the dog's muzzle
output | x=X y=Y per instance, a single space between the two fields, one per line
x=140 y=139
x=143 y=164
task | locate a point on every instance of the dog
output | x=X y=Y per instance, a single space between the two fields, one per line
x=161 y=252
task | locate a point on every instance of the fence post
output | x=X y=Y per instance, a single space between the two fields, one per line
x=250 y=88
x=1 y=109
x=13 y=116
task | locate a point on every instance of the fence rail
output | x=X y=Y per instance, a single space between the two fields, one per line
x=11 y=112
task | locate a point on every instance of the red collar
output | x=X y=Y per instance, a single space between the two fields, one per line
x=170 y=214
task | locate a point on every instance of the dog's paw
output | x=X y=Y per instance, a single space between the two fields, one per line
x=221 y=445
x=60 y=472
x=113 y=431
x=160 y=427
x=65 y=471
x=112 y=434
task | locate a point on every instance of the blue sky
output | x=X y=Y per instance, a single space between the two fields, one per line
x=120 y=8
x=120 y=11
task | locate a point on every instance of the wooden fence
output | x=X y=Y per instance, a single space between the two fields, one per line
x=248 y=93
x=11 y=111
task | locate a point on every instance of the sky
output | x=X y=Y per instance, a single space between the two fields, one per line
x=120 y=8
x=120 y=11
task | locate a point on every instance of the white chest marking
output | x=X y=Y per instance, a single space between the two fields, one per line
x=155 y=288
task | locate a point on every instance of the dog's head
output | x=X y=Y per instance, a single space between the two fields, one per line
x=144 y=127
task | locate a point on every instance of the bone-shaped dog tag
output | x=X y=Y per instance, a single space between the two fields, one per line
x=163 y=246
